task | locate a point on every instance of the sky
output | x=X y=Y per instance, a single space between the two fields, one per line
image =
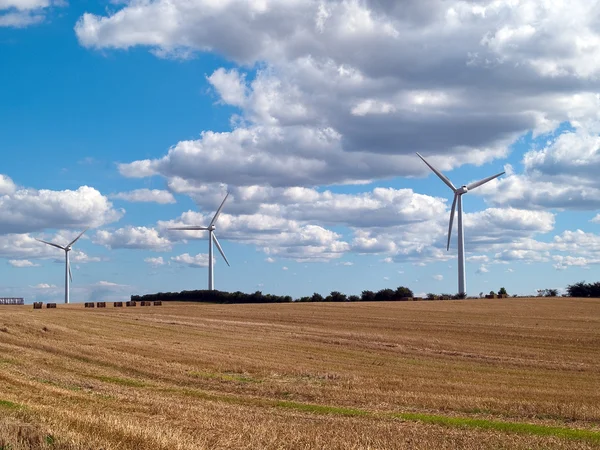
x=131 y=117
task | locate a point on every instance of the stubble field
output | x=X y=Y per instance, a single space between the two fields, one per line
x=510 y=373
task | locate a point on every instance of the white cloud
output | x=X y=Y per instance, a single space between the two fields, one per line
x=317 y=111
x=132 y=238
x=22 y=13
x=22 y=263
x=284 y=268
x=155 y=262
x=482 y=269
x=438 y=277
x=25 y=210
x=146 y=195
x=44 y=286
x=270 y=260
x=199 y=260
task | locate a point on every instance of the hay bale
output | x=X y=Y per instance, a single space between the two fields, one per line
x=89 y=304
x=101 y=304
x=158 y=303
x=51 y=305
x=130 y=303
x=406 y=299
x=118 y=304
x=37 y=305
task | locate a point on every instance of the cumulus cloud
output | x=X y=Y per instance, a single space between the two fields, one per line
x=336 y=115
x=317 y=112
x=146 y=195
x=438 y=277
x=482 y=269
x=199 y=260
x=44 y=286
x=22 y=13
x=22 y=263
x=274 y=235
x=155 y=262
x=132 y=238
x=26 y=210
x=561 y=174
x=21 y=247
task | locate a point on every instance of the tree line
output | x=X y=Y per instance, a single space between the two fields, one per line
x=402 y=293
x=205 y=296
x=583 y=289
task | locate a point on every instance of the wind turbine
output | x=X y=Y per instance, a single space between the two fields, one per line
x=458 y=193
x=67 y=249
x=211 y=238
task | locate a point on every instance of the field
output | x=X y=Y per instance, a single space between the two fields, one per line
x=511 y=373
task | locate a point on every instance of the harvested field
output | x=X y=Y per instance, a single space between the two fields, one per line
x=506 y=373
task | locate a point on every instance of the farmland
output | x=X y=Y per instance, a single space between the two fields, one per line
x=511 y=373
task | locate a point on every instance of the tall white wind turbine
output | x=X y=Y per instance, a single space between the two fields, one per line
x=211 y=238
x=66 y=249
x=458 y=193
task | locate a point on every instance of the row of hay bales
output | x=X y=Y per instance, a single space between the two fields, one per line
x=120 y=304
x=40 y=305
x=496 y=296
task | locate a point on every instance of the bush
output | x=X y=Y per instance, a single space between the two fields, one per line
x=583 y=289
x=385 y=295
x=353 y=298
x=336 y=296
x=502 y=291
x=403 y=291
x=547 y=292
x=316 y=297
x=367 y=296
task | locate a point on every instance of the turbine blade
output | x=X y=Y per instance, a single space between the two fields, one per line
x=188 y=228
x=50 y=243
x=216 y=241
x=70 y=273
x=451 y=220
x=212 y=222
x=485 y=180
x=439 y=174
x=77 y=238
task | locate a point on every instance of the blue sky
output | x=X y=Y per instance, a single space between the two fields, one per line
x=133 y=117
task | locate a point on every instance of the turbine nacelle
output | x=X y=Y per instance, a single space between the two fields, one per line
x=461 y=190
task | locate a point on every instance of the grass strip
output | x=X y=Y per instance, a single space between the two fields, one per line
x=320 y=409
x=9 y=405
x=507 y=427
x=454 y=422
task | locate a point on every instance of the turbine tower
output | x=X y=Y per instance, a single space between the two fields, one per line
x=211 y=238
x=458 y=193
x=67 y=249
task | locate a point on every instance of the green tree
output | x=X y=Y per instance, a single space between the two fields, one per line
x=336 y=296
x=403 y=291
x=367 y=296
x=502 y=291
x=316 y=297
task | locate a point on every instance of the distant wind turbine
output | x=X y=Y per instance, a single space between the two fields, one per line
x=211 y=238
x=67 y=249
x=458 y=193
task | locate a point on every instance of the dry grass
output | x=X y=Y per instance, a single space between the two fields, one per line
x=511 y=373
